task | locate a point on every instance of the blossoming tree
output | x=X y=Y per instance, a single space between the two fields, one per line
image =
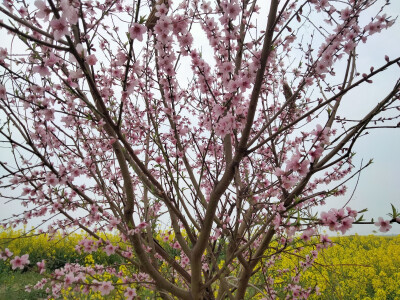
x=214 y=123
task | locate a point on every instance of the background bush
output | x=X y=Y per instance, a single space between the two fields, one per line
x=357 y=267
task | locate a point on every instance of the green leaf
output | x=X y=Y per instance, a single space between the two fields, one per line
x=329 y=111
x=142 y=19
x=395 y=213
x=360 y=219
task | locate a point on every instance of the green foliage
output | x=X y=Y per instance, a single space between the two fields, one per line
x=56 y=251
x=357 y=267
x=12 y=285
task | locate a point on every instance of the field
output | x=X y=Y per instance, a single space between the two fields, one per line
x=357 y=267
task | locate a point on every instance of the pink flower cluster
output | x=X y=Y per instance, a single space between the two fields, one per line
x=341 y=219
x=59 y=25
x=20 y=262
x=136 y=31
x=4 y=255
x=3 y=92
x=307 y=234
x=130 y=293
x=41 y=266
x=384 y=225
x=88 y=246
x=110 y=249
x=3 y=56
x=347 y=35
x=104 y=287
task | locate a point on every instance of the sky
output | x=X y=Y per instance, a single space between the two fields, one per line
x=379 y=184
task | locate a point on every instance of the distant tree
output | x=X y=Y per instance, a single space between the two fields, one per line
x=213 y=123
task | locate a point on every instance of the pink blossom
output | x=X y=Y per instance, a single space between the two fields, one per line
x=306 y=236
x=95 y=285
x=69 y=279
x=340 y=214
x=51 y=60
x=349 y=46
x=351 y=213
x=113 y=222
x=20 y=262
x=176 y=245
x=279 y=172
x=121 y=58
x=384 y=225
x=162 y=10
x=136 y=31
x=25 y=191
x=41 y=266
x=205 y=266
x=159 y=159
x=60 y=28
x=110 y=249
x=186 y=40
x=325 y=239
x=130 y=293
x=346 y=224
x=6 y=254
x=69 y=12
x=3 y=54
x=233 y=85
x=372 y=28
x=277 y=221
x=52 y=179
x=106 y=287
x=296 y=289
x=316 y=153
x=91 y=60
x=206 y=6
x=3 y=93
x=184 y=260
x=142 y=225
x=289 y=181
x=42 y=70
x=309 y=81
x=304 y=167
x=44 y=11
x=232 y=10
x=321 y=134
x=22 y=11
x=322 y=67
x=345 y=13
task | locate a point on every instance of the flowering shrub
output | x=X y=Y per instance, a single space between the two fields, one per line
x=46 y=253
x=225 y=121
x=355 y=267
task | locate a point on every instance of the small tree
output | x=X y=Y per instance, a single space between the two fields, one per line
x=214 y=124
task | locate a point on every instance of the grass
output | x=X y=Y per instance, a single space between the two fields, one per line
x=12 y=286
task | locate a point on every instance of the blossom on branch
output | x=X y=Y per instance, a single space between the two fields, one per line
x=20 y=262
x=384 y=225
x=136 y=31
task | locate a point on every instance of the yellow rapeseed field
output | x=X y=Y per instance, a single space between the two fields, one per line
x=359 y=267
x=356 y=267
